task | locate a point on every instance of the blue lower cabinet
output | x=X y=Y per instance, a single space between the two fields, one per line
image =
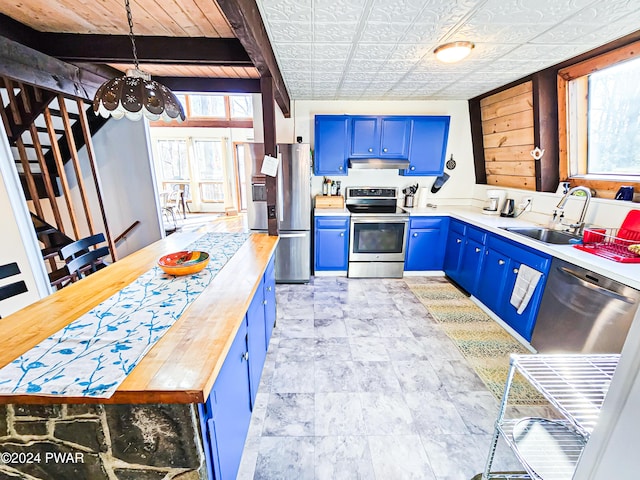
x=229 y=411
x=507 y=258
x=426 y=243
x=470 y=263
x=493 y=276
x=269 y=283
x=331 y=236
x=453 y=250
x=256 y=341
x=225 y=416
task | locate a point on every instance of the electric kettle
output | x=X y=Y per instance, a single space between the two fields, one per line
x=509 y=208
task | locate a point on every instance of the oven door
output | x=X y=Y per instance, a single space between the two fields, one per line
x=377 y=239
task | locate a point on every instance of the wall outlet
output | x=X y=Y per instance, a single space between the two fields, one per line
x=526 y=204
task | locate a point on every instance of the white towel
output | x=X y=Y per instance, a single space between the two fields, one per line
x=526 y=283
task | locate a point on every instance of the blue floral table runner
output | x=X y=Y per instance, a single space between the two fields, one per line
x=93 y=355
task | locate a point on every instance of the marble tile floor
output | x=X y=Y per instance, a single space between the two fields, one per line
x=361 y=383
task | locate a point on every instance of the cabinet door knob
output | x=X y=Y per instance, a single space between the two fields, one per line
x=340 y=168
x=500 y=262
x=384 y=150
x=264 y=302
x=342 y=234
x=371 y=149
x=412 y=167
x=477 y=250
x=269 y=288
x=245 y=356
x=415 y=234
x=515 y=270
x=458 y=240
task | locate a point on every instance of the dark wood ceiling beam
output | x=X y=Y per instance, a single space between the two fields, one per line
x=72 y=47
x=27 y=65
x=217 y=85
x=244 y=17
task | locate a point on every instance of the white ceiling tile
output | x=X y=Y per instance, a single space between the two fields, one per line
x=289 y=32
x=383 y=32
x=301 y=51
x=334 y=32
x=365 y=49
x=285 y=10
x=528 y=11
x=331 y=50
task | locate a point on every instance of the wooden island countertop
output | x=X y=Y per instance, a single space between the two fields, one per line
x=183 y=365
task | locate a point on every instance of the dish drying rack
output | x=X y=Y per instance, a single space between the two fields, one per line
x=611 y=243
x=575 y=385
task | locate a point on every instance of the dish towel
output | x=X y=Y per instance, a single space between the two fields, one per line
x=526 y=283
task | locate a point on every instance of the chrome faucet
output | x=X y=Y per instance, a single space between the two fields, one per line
x=577 y=227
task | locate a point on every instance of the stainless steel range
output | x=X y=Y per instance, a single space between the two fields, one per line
x=377 y=233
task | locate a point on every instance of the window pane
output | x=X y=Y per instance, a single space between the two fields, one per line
x=173 y=159
x=614 y=123
x=207 y=106
x=209 y=159
x=241 y=106
x=212 y=192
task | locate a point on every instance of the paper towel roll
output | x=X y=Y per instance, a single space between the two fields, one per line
x=423 y=197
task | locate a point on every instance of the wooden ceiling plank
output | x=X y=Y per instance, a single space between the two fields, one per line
x=149 y=18
x=183 y=21
x=215 y=17
x=245 y=19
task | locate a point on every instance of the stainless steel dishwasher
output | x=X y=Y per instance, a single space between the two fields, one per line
x=583 y=312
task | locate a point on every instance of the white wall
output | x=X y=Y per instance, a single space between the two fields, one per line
x=123 y=155
x=459 y=187
x=18 y=242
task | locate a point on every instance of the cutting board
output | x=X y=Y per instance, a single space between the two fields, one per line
x=630 y=228
x=329 y=201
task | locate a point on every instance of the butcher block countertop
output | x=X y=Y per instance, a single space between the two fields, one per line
x=183 y=365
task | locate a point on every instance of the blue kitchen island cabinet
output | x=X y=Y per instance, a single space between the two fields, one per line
x=331 y=144
x=426 y=243
x=428 y=147
x=227 y=412
x=225 y=416
x=499 y=271
x=380 y=137
x=331 y=236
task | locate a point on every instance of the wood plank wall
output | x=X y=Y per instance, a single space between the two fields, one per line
x=508 y=137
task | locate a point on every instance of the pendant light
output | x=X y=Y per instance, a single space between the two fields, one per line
x=135 y=94
x=453 y=52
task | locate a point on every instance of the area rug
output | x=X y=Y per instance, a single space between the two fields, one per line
x=482 y=341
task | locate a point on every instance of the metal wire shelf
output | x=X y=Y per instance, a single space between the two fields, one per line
x=576 y=386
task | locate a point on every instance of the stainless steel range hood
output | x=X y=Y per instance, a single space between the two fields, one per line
x=394 y=164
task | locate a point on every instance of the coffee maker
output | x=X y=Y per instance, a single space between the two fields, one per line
x=494 y=202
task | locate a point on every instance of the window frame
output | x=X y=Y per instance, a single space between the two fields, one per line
x=576 y=137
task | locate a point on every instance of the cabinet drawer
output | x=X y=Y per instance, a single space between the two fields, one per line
x=425 y=222
x=332 y=222
x=476 y=234
x=520 y=253
x=458 y=227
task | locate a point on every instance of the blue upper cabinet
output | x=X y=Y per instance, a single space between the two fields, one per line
x=380 y=137
x=331 y=144
x=428 y=146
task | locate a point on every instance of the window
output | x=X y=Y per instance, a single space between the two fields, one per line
x=207 y=106
x=241 y=106
x=613 y=132
x=210 y=160
x=599 y=120
x=173 y=159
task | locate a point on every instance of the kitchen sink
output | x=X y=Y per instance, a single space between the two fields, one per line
x=546 y=235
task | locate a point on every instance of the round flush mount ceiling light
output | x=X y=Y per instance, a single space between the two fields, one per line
x=453 y=52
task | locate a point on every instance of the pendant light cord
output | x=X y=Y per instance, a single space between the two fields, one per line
x=133 y=40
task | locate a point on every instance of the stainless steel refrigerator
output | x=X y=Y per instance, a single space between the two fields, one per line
x=293 y=207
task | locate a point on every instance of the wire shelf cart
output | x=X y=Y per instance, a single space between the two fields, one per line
x=575 y=385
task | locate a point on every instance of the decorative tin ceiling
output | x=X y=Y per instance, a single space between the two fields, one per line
x=383 y=49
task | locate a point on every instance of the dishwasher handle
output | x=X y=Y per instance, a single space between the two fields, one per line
x=604 y=291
